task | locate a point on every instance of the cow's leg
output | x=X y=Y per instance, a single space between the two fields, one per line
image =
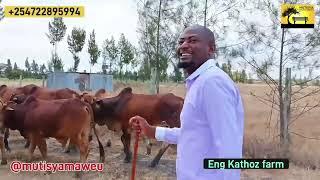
x=109 y=143
x=6 y=136
x=82 y=141
x=22 y=133
x=72 y=146
x=32 y=147
x=43 y=147
x=157 y=158
x=148 y=144
x=27 y=143
x=2 y=146
x=84 y=151
x=66 y=146
x=125 y=138
x=109 y=140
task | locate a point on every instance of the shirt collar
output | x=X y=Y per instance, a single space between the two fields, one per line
x=206 y=65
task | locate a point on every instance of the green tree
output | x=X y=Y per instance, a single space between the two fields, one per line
x=15 y=67
x=263 y=70
x=243 y=77
x=57 y=31
x=225 y=68
x=8 y=69
x=56 y=63
x=156 y=43
x=34 y=67
x=76 y=42
x=270 y=48
x=42 y=69
x=27 y=65
x=126 y=53
x=50 y=66
x=93 y=49
x=229 y=68
x=110 y=53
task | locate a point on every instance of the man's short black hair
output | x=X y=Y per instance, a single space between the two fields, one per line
x=206 y=32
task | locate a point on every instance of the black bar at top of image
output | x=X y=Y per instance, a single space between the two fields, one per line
x=297 y=25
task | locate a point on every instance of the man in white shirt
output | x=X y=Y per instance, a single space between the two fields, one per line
x=212 y=117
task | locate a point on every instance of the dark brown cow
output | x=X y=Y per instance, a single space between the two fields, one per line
x=60 y=119
x=87 y=97
x=6 y=93
x=115 y=112
x=3 y=107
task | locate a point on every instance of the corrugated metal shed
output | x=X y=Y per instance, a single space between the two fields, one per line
x=80 y=81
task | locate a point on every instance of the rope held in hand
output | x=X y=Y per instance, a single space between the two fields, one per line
x=135 y=154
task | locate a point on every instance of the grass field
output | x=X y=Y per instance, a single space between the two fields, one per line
x=260 y=142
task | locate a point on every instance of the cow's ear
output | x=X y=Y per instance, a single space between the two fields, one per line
x=98 y=104
x=99 y=101
x=34 y=89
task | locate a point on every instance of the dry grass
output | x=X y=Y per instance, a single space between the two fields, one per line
x=260 y=141
x=16 y=83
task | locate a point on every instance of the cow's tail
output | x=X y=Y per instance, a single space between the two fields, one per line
x=93 y=126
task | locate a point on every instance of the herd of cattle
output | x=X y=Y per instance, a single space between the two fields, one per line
x=71 y=117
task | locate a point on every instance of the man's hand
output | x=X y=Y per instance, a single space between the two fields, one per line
x=141 y=125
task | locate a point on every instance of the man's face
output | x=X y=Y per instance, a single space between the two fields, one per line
x=193 y=50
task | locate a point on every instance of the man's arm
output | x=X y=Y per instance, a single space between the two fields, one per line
x=169 y=135
x=220 y=109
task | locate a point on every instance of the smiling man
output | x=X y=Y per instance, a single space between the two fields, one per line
x=212 y=115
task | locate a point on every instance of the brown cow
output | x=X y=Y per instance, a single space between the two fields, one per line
x=49 y=94
x=116 y=111
x=20 y=94
x=60 y=119
x=7 y=92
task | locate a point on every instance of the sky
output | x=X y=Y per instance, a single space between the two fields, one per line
x=26 y=37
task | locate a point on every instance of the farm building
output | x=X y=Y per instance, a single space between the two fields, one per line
x=80 y=81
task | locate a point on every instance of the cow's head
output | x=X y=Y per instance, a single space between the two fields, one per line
x=27 y=89
x=18 y=98
x=171 y=114
x=108 y=110
x=86 y=97
x=3 y=108
x=74 y=93
x=101 y=93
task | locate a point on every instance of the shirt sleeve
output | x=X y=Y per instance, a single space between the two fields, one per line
x=221 y=111
x=169 y=135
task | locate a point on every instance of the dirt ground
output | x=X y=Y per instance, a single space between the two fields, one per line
x=256 y=126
